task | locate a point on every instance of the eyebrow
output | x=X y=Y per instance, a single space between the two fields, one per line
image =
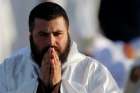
x=46 y=32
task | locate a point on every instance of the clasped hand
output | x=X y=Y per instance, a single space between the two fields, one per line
x=50 y=71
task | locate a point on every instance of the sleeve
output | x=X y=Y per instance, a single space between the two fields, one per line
x=3 y=86
x=71 y=87
x=101 y=81
x=97 y=80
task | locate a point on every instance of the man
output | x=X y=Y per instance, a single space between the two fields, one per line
x=54 y=64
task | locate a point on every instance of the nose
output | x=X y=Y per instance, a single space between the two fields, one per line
x=51 y=39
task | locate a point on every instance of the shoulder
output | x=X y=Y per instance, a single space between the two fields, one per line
x=97 y=70
x=11 y=63
x=100 y=75
x=15 y=60
x=19 y=55
x=94 y=63
x=93 y=66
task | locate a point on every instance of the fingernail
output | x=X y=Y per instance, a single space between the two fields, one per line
x=53 y=49
x=52 y=56
x=52 y=62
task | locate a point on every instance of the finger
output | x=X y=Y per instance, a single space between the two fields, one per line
x=55 y=76
x=55 y=63
x=46 y=56
x=52 y=71
x=45 y=65
x=56 y=58
x=52 y=66
x=51 y=53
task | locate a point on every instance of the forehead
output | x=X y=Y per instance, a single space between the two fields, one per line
x=54 y=24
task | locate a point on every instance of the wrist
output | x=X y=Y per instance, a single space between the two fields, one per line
x=43 y=88
x=56 y=88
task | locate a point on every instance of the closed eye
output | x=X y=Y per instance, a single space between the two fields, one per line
x=57 y=33
x=44 y=34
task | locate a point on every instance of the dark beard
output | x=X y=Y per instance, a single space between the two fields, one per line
x=37 y=55
x=63 y=56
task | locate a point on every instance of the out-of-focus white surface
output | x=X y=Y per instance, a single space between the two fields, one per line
x=14 y=25
x=7 y=31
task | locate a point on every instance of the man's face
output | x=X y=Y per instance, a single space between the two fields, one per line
x=46 y=34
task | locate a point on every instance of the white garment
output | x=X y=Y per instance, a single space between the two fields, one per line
x=81 y=74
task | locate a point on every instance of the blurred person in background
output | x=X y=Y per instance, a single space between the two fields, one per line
x=118 y=44
x=53 y=63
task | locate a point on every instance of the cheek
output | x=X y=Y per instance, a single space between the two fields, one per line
x=40 y=43
x=62 y=42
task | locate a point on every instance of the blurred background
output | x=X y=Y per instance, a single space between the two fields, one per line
x=107 y=30
x=14 y=25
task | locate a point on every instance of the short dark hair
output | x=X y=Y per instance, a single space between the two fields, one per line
x=47 y=11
